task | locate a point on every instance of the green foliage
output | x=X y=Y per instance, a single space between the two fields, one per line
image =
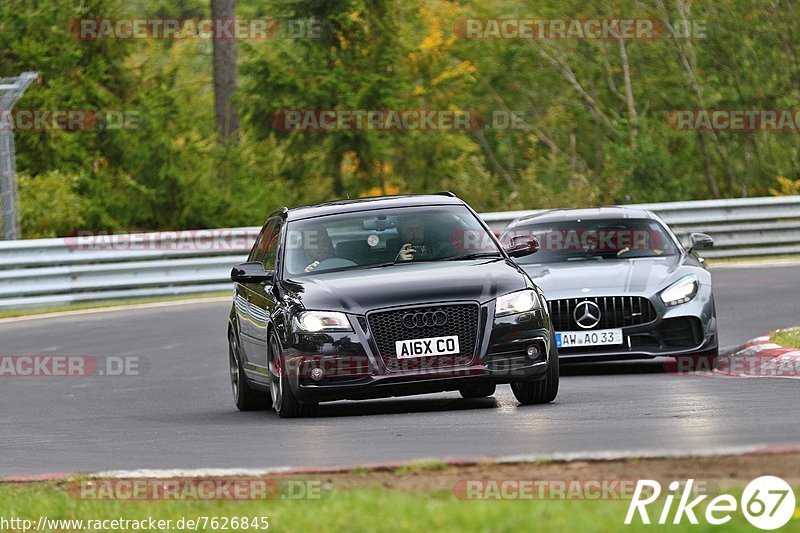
x=586 y=140
x=50 y=205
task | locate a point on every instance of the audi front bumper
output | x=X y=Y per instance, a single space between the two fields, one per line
x=351 y=367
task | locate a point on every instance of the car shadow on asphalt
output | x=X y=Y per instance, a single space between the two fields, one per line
x=607 y=368
x=402 y=406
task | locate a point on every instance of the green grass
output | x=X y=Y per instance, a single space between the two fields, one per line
x=105 y=303
x=358 y=509
x=789 y=337
x=420 y=467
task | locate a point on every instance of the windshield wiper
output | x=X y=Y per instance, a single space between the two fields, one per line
x=381 y=265
x=473 y=255
x=373 y=265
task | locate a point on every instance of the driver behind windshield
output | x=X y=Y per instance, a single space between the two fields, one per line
x=319 y=247
x=416 y=241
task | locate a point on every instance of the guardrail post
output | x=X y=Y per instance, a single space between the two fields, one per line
x=11 y=90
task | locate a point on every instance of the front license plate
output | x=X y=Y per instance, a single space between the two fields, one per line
x=427 y=347
x=565 y=339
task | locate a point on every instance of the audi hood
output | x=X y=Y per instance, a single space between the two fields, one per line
x=361 y=290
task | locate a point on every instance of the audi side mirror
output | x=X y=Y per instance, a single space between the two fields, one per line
x=523 y=245
x=252 y=272
x=700 y=241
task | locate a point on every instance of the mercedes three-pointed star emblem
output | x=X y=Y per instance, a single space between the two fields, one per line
x=587 y=314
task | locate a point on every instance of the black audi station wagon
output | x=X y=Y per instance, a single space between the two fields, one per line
x=382 y=297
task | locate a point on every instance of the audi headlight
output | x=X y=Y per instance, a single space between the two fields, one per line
x=316 y=321
x=517 y=302
x=681 y=291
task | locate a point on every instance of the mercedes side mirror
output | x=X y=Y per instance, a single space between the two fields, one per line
x=700 y=241
x=252 y=272
x=523 y=245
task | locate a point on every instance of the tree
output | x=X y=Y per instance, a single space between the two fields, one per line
x=225 y=78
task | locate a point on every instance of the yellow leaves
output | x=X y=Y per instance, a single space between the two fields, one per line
x=786 y=187
x=384 y=169
x=438 y=20
x=350 y=162
x=388 y=189
x=467 y=67
x=433 y=59
x=464 y=68
x=355 y=168
x=435 y=38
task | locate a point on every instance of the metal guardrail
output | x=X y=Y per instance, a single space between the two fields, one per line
x=741 y=227
x=54 y=272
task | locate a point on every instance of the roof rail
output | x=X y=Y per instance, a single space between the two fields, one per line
x=445 y=193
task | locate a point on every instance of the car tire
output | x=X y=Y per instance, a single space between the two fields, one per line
x=542 y=390
x=244 y=396
x=284 y=401
x=477 y=390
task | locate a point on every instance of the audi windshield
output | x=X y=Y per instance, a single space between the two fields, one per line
x=386 y=237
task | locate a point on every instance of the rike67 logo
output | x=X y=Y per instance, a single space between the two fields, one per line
x=767 y=502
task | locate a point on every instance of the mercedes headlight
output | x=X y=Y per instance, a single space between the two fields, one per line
x=681 y=291
x=517 y=302
x=317 y=321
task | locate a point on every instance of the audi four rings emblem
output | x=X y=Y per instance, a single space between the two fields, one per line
x=587 y=314
x=425 y=320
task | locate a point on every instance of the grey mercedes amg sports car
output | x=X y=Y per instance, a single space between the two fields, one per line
x=619 y=284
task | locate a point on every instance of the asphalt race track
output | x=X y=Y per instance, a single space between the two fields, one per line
x=179 y=412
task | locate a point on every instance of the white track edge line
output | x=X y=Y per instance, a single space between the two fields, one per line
x=131 y=307
x=505 y=459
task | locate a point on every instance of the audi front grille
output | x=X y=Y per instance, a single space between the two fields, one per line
x=615 y=312
x=387 y=327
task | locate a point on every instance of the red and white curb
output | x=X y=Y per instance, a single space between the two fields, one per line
x=725 y=451
x=760 y=358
